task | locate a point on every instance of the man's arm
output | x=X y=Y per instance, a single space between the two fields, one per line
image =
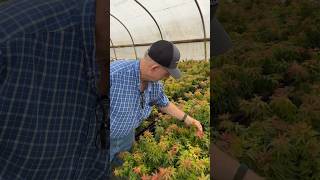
x=174 y=111
x=225 y=167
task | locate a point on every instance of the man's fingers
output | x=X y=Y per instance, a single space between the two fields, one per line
x=197 y=124
x=199 y=134
x=199 y=127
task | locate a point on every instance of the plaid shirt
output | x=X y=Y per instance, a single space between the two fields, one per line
x=127 y=106
x=47 y=91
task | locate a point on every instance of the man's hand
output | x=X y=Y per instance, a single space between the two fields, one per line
x=177 y=113
x=191 y=121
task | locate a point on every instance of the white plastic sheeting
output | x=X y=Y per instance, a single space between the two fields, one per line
x=179 y=21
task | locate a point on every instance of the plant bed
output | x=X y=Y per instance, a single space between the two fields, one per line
x=272 y=122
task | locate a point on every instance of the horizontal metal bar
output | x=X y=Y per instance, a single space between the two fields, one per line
x=174 y=42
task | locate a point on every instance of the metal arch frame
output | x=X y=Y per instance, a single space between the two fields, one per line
x=134 y=48
x=174 y=42
x=114 y=50
x=204 y=30
x=151 y=17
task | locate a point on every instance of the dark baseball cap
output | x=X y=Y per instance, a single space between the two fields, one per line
x=221 y=40
x=167 y=55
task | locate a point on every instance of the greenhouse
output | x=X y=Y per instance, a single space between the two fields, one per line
x=134 y=25
x=165 y=148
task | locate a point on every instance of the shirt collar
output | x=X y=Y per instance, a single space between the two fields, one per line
x=137 y=74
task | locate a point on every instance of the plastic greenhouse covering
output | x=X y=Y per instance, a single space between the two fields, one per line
x=135 y=24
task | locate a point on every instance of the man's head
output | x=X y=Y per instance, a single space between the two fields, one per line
x=161 y=60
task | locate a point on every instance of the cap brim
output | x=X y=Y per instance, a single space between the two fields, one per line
x=175 y=73
x=221 y=40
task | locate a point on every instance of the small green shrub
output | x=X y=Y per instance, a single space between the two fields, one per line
x=290 y=54
x=312 y=38
x=310 y=110
x=284 y=108
x=255 y=109
x=271 y=65
x=265 y=85
x=264 y=34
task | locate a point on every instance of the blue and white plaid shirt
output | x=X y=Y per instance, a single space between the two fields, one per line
x=126 y=109
x=47 y=91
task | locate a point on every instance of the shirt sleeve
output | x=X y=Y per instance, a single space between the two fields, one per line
x=161 y=100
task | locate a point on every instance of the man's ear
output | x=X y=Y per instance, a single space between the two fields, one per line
x=155 y=67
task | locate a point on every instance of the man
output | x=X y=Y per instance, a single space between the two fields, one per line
x=48 y=93
x=135 y=88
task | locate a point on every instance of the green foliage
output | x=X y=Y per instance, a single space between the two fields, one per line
x=195 y=76
x=313 y=68
x=295 y=154
x=312 y=38
x=284 y=108
x=280 y=150
x=310 y=109
x=265 y=85
x=255 y=109
x=290 y=55
x=306 y=10
x=224 y=96
x=265 y=35
x=271 y=65
x=297 y=74
x=241 y=79
x=270 y=87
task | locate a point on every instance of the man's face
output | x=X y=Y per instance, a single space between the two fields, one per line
x=157 y=72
